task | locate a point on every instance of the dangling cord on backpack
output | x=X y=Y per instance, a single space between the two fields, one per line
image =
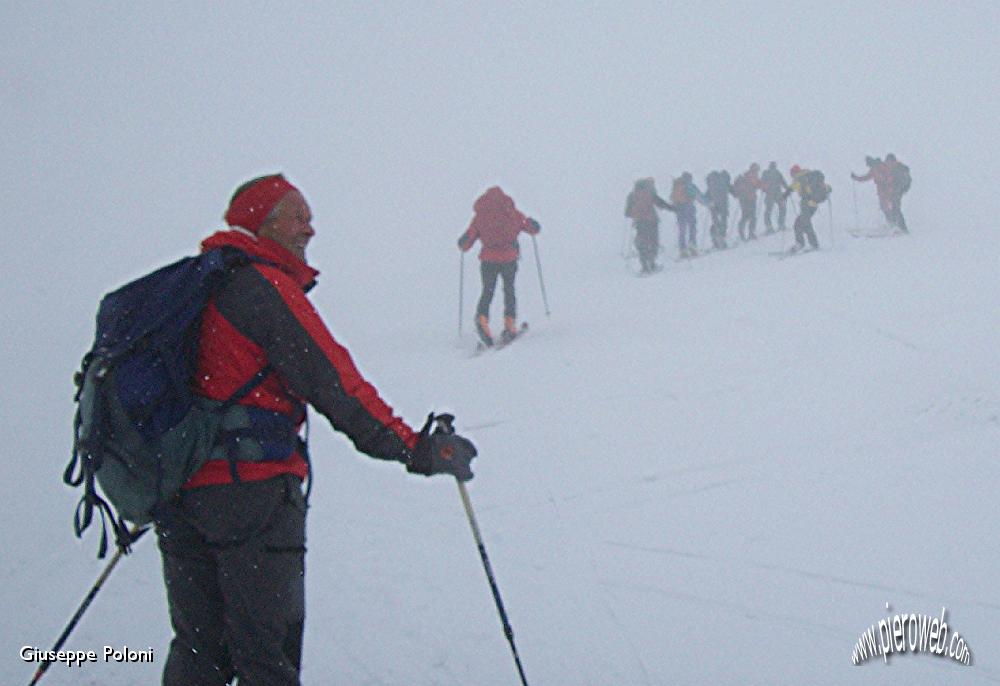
x=305 y=455
x=84 y=515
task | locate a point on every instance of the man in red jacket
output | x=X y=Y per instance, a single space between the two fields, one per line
x=880 y=173
x=233 y=541
x=496 y=223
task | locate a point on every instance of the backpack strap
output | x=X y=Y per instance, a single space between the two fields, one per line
x=242 y=392
x=82 y=469
x=91 y=500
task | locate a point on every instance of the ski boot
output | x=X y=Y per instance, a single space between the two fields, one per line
x=510 y=331
x=483 y=330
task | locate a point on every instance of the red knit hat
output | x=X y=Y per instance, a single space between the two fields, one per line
x=795 y=170
x=254 y=201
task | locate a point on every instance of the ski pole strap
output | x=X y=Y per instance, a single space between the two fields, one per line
x=444 y=424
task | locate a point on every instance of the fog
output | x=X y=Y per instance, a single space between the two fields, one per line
x=125 y=128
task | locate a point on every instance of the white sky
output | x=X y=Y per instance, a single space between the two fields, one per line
x=393 y=116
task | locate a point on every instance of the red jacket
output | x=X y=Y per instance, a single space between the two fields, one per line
x=263 y=318
x=496 y=223
x=641 y=204
x=881 y=173
x=746 y=185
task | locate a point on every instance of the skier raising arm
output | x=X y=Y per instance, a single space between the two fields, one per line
x=640 y=207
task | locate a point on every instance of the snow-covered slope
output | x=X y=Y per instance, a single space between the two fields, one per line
x=716 y=475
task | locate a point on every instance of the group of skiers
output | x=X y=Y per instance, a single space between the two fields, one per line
x=497 y=221
x=891 y=177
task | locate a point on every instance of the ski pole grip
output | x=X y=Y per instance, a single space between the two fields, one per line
x=444 y=424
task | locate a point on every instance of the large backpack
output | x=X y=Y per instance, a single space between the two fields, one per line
x=640 y=203
x=901 y=179
x=742 y=186
x=716 y=184
x=679 y=193
x=814 y=187
x=140 y=431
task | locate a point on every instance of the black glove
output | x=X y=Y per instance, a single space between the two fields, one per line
x=442 y=452
x=534 y=224
x=462 y=242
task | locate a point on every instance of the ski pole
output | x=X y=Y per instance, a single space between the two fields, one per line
x=444 y=425
x=541 y=281
x=829 y=206
x=134 y=535
x=783 y=238
x=507 y=630
x=857 y=215
x=461 y=290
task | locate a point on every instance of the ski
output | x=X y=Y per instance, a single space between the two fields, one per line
x=884 y=234
x=782 y=254
x=700 y=253
x=500 y=344
x=521 y=330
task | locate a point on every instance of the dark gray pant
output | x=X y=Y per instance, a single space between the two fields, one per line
x=234 y=567
x=720 y=221
x=490 y=271
x=748 y=216
x=647 y=242
x=803 y=226
x=769 y=203
x=895 y=213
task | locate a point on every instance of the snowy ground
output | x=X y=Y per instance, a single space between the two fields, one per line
x=716 y=475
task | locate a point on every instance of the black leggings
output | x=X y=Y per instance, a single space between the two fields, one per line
x=490 y=271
